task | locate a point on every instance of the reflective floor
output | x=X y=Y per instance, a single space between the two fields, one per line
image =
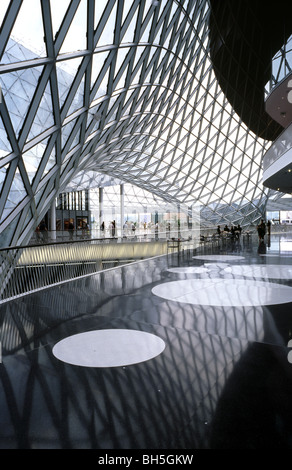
x=176 y=352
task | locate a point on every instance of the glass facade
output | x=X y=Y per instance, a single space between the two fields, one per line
x=124 y=90
x=281 y=66
x=130 y=205
x=74 y=200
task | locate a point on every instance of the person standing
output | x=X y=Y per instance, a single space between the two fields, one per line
x=269 y=232
x=102 y=229
x=110 y=229
x=261 y=230
x=71 y=230
x=44 y=231
x=38 y=234
x=269 y=227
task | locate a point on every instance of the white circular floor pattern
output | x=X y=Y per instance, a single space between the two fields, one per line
x=219 y=257
x=188 y=270
x=108 y=348
x=273 y=271
x=224 y=292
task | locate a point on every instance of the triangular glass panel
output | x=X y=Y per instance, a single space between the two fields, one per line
x=99 y=10
x=78 y=99
x=16 y=194
x=102 y=89
x=130 y=31
x=121 y=56
x=93 y=118
x=58 y=10
x=76 y=140
x=3 y=171
x=66 y=131
x=15 y=52
x=98 y=61
x=18 y=89
x=107 y=35
x=5 y=147
x=44 y=116
x=75 y=39
x=146 y=32
x=66 y=72
x=51 y=161
x=32 y=159
x=31 y=37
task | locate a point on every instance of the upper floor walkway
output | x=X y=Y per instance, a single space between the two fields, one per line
x=277 y=163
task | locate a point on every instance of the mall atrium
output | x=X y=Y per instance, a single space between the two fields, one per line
x=163 y=119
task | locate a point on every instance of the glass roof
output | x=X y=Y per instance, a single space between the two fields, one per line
x=125 y=89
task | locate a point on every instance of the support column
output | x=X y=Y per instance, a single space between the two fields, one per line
x=87 y=200
x=122 y=207
x=53 y=221
x=168 y=225
x=190 y=218
x=178 y=221
x=100 y=207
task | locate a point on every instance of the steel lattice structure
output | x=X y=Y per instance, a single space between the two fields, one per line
x=125 y=88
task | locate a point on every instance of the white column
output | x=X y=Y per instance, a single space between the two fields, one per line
x=100 y=206
x=122 y=207
x=178 y=221
x=53 y=220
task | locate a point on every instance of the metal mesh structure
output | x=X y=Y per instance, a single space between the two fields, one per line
x=124 y=88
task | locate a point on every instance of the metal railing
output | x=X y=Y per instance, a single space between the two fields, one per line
x=56 y=236
x=25 y=269
x=30 y=268
x=279 y=148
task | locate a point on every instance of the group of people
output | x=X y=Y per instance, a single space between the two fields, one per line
x=233 y=230
x=111 y=228
x=262 y=229
x=128 y=228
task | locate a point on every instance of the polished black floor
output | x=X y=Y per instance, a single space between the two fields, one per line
x=223 y=381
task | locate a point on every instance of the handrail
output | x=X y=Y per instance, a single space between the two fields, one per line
x=28 y=269
x=139 y=236
x=25 y=269
x=60 y=236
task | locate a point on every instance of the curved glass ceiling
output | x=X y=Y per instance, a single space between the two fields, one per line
x=123 y=88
